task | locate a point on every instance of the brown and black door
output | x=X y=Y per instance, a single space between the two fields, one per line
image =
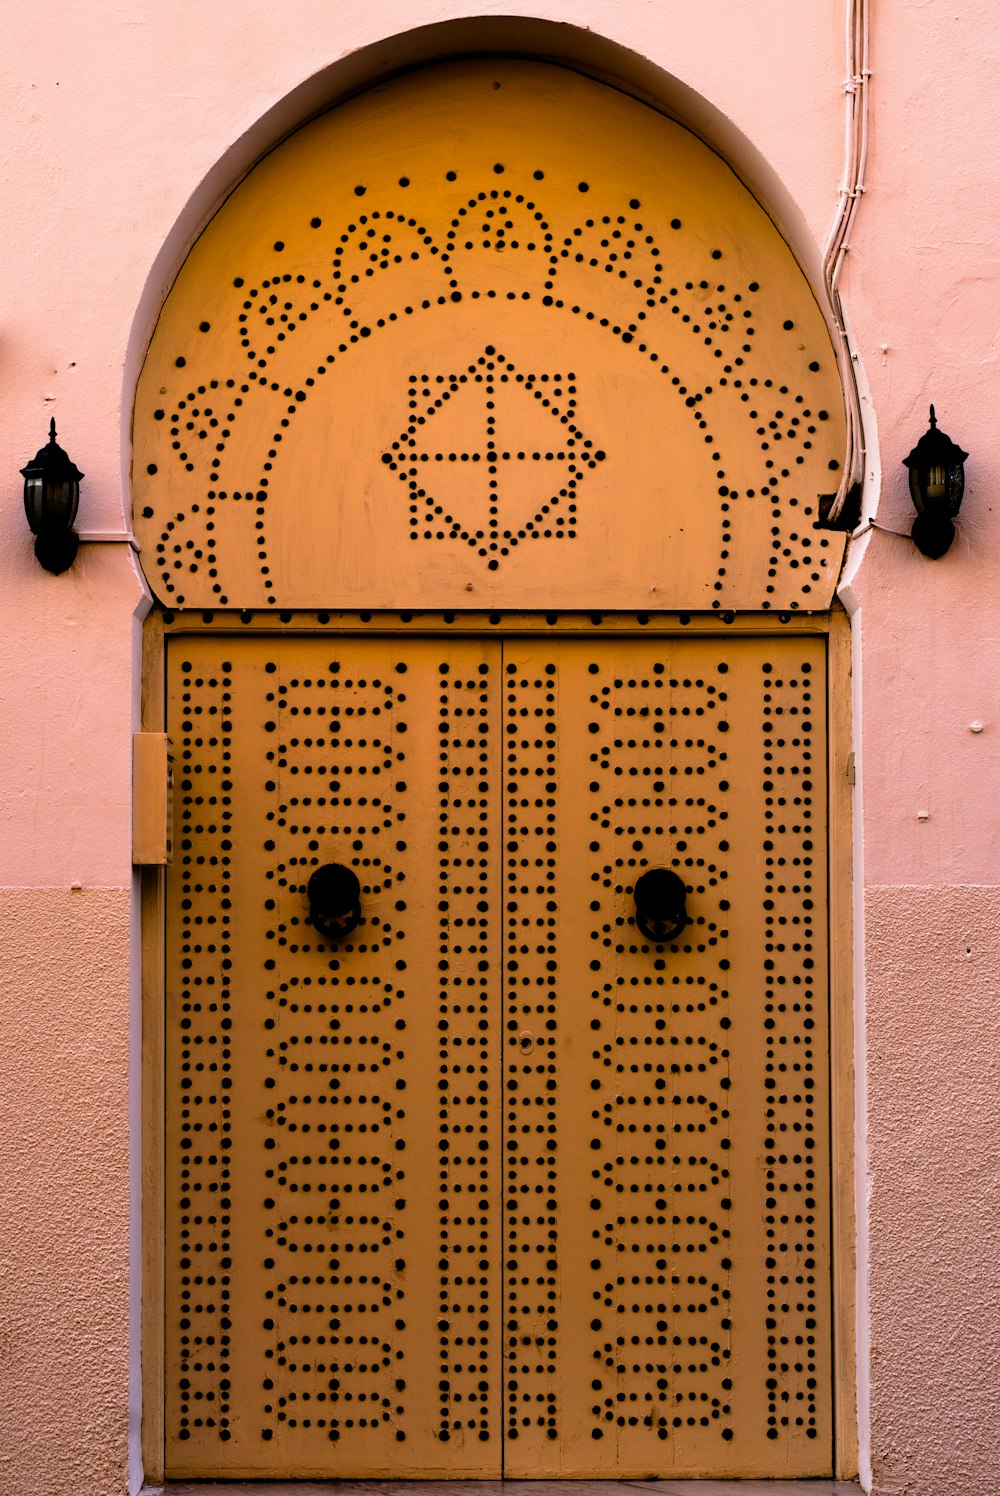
x=486 y=1152
x=496 y=1084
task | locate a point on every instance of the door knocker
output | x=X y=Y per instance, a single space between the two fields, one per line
x=334 y=895
x=659 y=904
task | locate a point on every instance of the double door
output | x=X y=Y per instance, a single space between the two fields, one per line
x=496 y=1180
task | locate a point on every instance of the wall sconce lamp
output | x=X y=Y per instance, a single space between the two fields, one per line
x=937 y=482
x=51 y=499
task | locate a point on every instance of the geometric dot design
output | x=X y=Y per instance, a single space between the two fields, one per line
x=520 y=483
x=317 y=1175
x=496 y=1183
x=535 y=1310
x=465 y=294
x=793 y=1115
x=681 y=1016
x=201 y=1137
x=467 y=1308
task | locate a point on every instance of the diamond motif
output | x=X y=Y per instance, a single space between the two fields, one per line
x=492 y=456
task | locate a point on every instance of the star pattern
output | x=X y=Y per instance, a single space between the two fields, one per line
x=492 y=456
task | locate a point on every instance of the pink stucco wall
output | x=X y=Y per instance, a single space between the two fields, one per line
x=122 y=129
x=922 y=292
x=64 y=1337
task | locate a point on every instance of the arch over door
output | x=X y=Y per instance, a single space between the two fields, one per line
x=492 y=334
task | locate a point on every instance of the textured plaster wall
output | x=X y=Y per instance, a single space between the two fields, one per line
x=933 y=964
x=64 y=1189
x=922 y=287
x=115 y=121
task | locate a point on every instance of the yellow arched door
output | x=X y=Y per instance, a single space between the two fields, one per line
x=497 y=1182
x=490 y=1158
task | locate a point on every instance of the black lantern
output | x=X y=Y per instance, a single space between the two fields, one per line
x=51 y=498
x=937 y=482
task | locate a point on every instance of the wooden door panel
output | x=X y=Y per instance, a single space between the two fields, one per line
x=668 y=1102
x=496 y=1182
x=332 y=1275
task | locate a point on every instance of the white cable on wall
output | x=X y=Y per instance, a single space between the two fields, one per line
x=837 y=246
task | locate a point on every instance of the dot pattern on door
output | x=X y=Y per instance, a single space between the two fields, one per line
x=660 y=1140
x=492 y=1182
x=794 y=1078
x=531 y=1206
x=317 y=354
x=335 y=766
x=202 y=1140
x=486 y=504
x=467 y=1308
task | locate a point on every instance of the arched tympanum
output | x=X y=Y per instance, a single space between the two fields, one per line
x=492 y=334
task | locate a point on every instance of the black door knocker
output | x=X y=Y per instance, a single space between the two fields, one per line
x=659 y=904
x=334 y=895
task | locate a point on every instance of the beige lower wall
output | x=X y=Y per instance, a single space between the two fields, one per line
x=933 y=958
x=933 y=984
x=64 y=1167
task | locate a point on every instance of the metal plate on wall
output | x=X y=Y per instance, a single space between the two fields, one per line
x=495 y=1184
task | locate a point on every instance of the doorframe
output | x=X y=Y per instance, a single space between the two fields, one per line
x=161 y=624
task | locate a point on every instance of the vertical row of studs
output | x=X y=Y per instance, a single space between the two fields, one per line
x=661 y=1059
x=204 y=1053
x=530 y=1200
x=334 y=1167
x=793 y=1081
x=466 y=1039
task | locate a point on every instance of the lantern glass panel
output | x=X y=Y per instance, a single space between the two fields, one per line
x=63 y=495
x=936 y=482
x=33 y=496
x=955 y=486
